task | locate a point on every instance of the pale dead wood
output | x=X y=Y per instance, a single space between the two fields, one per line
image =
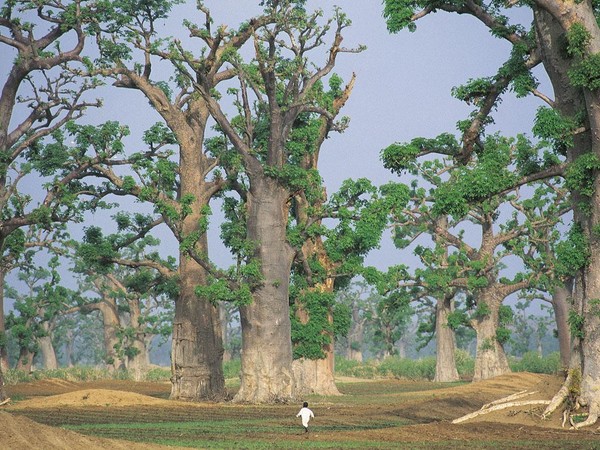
x=499 y=407
x=509 y=398
x=5 y=402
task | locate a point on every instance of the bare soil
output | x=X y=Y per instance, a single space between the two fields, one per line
x=401 y=412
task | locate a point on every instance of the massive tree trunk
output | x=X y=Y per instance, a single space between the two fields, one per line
x=47 y=351
x=138 y=361
x=490 y=358
x=110 y=325
x=560 y=304
x=445 y=363
x=266 y=327
x=552 y=23
x=197 y=348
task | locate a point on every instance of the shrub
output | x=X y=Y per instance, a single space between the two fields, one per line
x=465 y=363
x=351 y=368
x=533 y=362
x=413 y=369
x=232 y=369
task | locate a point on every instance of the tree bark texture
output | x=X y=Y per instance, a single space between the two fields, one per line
x=267 y=374
x=560 y=303
x=490 y=358
x=47 y=352
x=445 y=363
x=197 y=347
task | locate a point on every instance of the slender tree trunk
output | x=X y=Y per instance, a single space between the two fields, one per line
x=445 y=363
x=69 y=344
x=224 y=318
x=560 y=303
x=490 y=358
x=355 y=337
x=267 y=374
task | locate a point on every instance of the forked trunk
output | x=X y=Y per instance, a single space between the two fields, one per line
x=267 y=374
x=490 y=358
x=445 y=363
x=197 y=348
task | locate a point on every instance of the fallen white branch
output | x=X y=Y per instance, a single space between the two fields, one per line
x=499 y=407
x=510 y=398
x=5 y=402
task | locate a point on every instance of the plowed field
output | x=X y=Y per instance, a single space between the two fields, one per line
x=381 y=414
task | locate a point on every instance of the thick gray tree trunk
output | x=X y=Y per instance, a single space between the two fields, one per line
x=445 y=363
x=267 y=374
x=490 y=358
x=197 y=348
x=560 y=304
x=47 y=351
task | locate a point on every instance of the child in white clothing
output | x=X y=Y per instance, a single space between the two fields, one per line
x=306 y=414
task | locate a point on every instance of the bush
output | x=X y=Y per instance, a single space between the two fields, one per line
x=465 y=363
x=533 y=362
x=232 y=369
x=351 y=368
x=413 y=369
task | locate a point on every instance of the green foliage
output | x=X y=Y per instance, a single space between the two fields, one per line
x=550 y=125
x=578 y=39
x=576 y=324
x=534 y=363
x=581 y=173
x=398 y=14
x=412 y=369
x=310 y=338
x=586 y=74
x=573 y=253
x=505 y=318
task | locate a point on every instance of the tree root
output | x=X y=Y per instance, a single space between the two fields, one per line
x=498 y=406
